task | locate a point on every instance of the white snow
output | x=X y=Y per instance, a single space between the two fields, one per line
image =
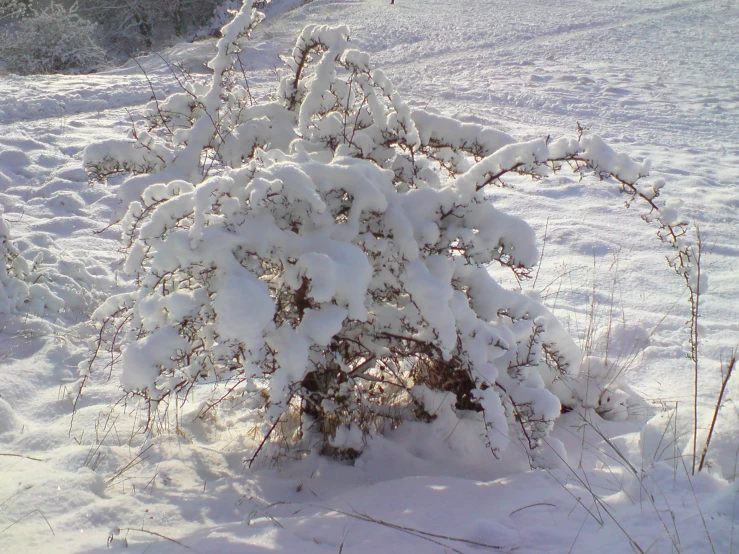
x=655 y=80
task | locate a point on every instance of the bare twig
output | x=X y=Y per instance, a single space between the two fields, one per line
x=266 y=437
x=725 y=381
x=28 y=514
x=16 y=493
x=426 y=535
x=541 y=257
x=155 y=534
x=21 y=456
x=136 y=460
x=154 y=96
x=531 y=506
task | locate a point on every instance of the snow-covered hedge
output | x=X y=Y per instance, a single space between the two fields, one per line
x=55 y=39
x=329 y=251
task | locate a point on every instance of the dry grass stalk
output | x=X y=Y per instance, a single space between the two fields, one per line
x=716 y=410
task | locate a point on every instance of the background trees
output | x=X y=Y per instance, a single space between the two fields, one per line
x=128 y=26
x=48 y=37
x=51 y=40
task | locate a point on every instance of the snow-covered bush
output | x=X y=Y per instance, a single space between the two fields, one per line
x=21 y=286
x=329 y=252
x=51 y=40
x=13 y=270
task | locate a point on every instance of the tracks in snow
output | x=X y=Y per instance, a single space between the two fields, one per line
x=553 y=37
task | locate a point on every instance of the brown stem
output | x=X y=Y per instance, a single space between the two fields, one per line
x=725 y=381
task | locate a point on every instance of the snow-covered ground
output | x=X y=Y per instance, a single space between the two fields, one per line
x=655 y=79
